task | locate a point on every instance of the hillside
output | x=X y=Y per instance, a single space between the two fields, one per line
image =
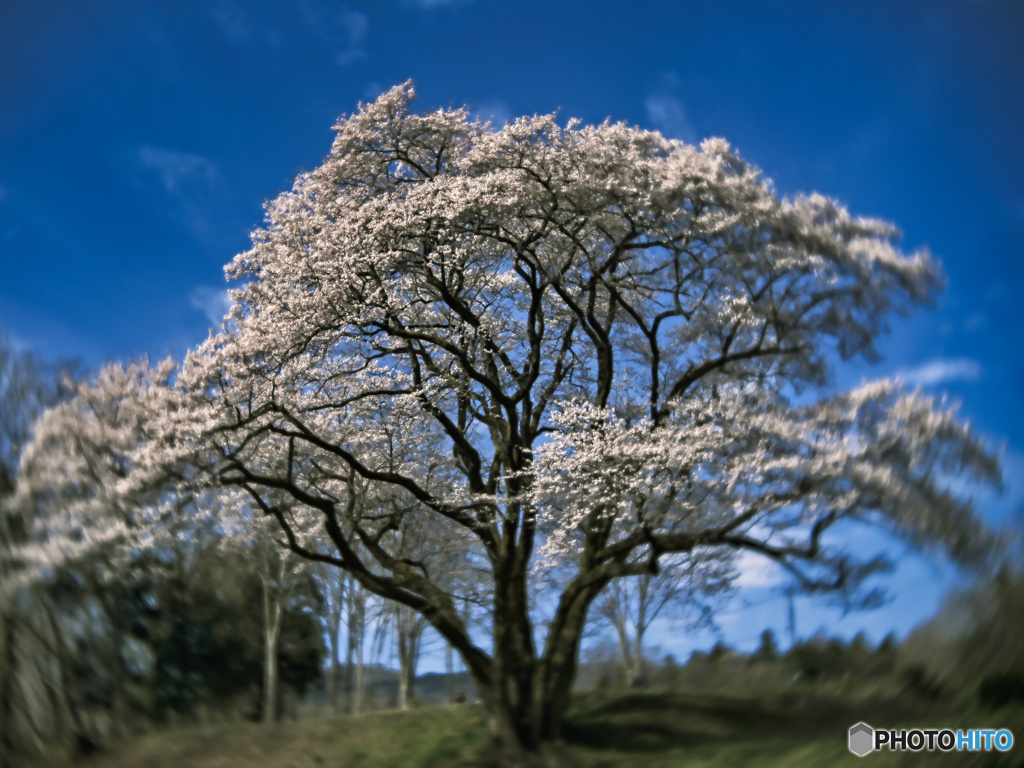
x=606 y=730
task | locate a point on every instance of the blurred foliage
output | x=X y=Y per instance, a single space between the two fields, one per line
x=206 y=637
x=33 y=711
x=968 y=656
x=974 y=640
x=28 y=385
x=768 y=650
x=1002 y=690
x=200 y=649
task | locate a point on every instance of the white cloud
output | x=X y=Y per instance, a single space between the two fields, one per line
x=754 y=570
x=194 y=187
x=177 y=170
x=940 y=371
x=212 y=302
x=342 y=27
x=495 y=111
x=665 y=111
x=373 y=90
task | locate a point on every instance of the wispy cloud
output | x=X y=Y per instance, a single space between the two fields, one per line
x=193 y=186
x=667 y=114
x=941 y=371
x=178 y=170
x=754 y=570
x=665 y=111
x=495 y=111
x=344 y=28
x=373 y=90
x=212 y=302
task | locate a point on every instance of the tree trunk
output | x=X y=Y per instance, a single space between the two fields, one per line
x=354 y=653
x=409 y=632
x=643 y=592
x=407 y=674
x=349 y=644
x=272 y=608
x=449 y=671
x=625 y=650
x=513 y=700
x=270 y=682
x=8 y=748
x=526 y=697
x=556 y=670
x=637 y=676
x=332 y=583
x=333 y=669
x=403 y=666
x=333 y=640
x=360 y=683
x=380 y=638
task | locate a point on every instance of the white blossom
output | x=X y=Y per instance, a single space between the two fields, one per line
x=590 y=342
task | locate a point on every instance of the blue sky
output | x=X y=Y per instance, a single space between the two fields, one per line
x=138 y=142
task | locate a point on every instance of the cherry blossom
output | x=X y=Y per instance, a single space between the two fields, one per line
x=573 y=347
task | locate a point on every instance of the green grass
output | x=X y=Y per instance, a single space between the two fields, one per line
x=427 y=737
x=604 y=730
x=788 y=731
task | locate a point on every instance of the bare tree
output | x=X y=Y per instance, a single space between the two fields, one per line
x=355 y=636
x=630 y=606
x=281 y=575
x=332 y=584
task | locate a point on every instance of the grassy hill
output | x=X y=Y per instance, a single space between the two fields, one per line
x=649 y=729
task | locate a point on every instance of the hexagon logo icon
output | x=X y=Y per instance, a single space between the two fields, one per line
x=862 y=738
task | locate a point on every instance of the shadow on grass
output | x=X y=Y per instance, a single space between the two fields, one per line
x=655 y=722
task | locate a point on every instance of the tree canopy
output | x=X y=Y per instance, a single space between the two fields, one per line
x=578 y=347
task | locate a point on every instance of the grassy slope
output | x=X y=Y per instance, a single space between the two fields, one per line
x=645 y=729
